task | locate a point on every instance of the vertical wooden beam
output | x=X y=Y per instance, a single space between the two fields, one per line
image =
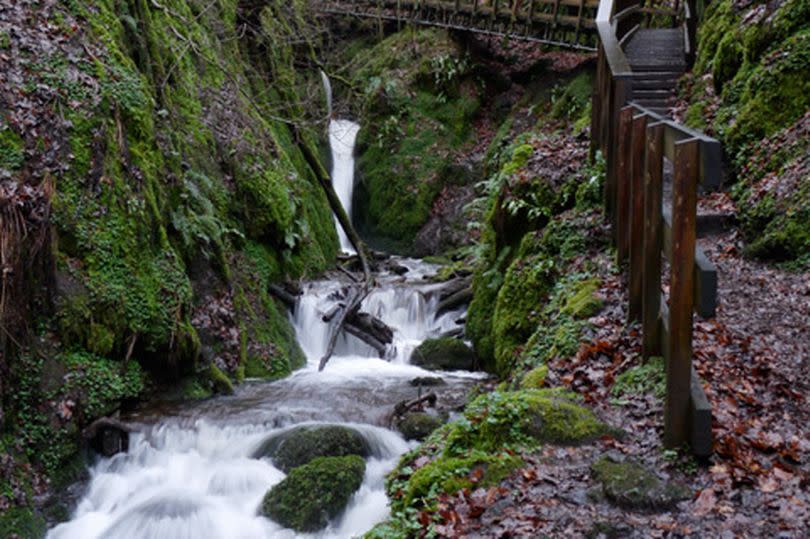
x=681 y=298
x=635 y=223
x=621 y=204
x=651 y=279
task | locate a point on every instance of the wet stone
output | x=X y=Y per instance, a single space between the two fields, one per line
x=301 y=445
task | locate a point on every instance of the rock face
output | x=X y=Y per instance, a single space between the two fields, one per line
x=628 y=484
x=418 y=425
x=314 y=493
x=445 y=353
x=301 y=445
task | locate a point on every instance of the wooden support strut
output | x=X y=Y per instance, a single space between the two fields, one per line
x=651 y=279
x=682 y=262
x=623 y=156
x=635 y=232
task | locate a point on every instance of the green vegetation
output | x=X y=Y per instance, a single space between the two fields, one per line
x=630 y=485
x=419 y=101
x=649 y=377
x=755 y=102
x=314 y=493
x=480 y=449
x=181 y=184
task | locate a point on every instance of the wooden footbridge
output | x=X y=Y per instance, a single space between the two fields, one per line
x=564 y=23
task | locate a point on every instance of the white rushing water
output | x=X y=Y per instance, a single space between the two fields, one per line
x=342 y=136
x=191 y=472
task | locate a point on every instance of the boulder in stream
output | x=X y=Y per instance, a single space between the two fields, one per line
x=418 y=425
x=444 y=353
x=299 y=446
x=314 y=493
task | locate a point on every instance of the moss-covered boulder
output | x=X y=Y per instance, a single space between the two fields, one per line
x=418 y=425
x=452 y=474
x=445 y=353
x=630 y=485
x=301 y=445
x=314 y=493
x=525 y=417
x=535 y=378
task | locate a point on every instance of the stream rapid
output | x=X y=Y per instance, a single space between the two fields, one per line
x=189 y=471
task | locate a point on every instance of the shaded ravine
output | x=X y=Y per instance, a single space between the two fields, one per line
x=189 y=471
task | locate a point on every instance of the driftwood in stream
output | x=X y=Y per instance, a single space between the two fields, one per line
x=406 y=406
x=366 y=338
x=458 y=299
x=358 y=294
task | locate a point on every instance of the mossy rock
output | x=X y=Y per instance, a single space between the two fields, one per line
x=584 y=302
x=418 y=425
x=445 y=353
x=451 y=474
x=219 y=380
x=314 y=493
x=535 y=378
x=630 y=485
x=301 y=445
x=523 y=418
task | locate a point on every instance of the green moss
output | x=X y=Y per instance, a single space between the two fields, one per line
x=649 y=377
x=220 y=382
x=445 y=353
x=11 y=149
x=572 y=100
x=301 y=445
x=314 y=493
x=630 y=485
x=583 y=302
x=415 y=117
x=418 y=425
x=451 y=474
x=535 y=378
x=522 y=418
x=519 y=303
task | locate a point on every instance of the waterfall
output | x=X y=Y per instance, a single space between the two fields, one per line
x=342 y=136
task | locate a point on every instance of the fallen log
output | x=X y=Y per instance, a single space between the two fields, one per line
x=352 y=305
x=460 y=298
x=282 y=295
x=331 y=313
x=406 y=406
x=367 y=338
x=373 y=326
x=453 y=286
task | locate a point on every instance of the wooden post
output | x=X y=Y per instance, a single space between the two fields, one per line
x=682 y=267
x=635 y=232
x=623 y=149
x=651 y=279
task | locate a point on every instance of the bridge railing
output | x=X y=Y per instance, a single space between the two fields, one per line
x=635 y=142
x=566 y=23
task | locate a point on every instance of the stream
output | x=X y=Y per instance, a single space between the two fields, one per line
x=189 y=471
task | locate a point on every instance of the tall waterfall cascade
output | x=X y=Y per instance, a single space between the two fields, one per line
x=191 y=470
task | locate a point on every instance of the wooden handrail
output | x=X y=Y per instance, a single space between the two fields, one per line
x=635 y=142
